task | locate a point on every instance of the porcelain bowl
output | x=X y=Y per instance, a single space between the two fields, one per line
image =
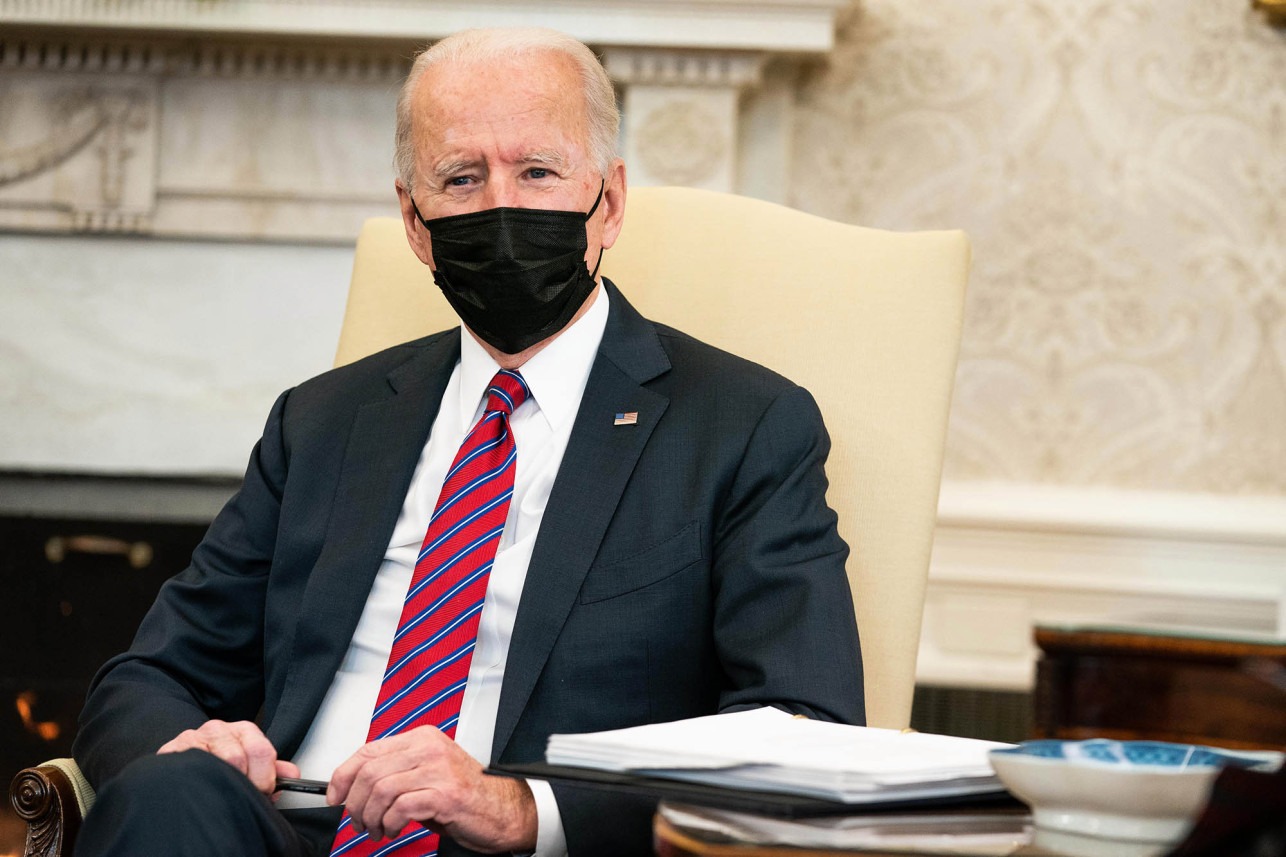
x=1141 y=791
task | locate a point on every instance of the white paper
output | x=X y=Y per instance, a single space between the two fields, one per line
x=767 y=749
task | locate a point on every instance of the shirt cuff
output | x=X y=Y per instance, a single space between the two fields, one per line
x=550 y=839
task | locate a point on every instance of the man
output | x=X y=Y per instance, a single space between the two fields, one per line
x=623 y=526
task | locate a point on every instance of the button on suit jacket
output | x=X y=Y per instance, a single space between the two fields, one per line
x=685 y=564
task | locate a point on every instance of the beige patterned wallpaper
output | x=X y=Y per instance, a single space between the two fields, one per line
x=1121 y=168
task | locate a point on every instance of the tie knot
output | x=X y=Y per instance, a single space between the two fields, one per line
x=507 y=391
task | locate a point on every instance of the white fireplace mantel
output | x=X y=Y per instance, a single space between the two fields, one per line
x=272 y=119
x=768 y=25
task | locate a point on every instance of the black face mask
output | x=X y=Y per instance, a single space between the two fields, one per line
x=515 y=276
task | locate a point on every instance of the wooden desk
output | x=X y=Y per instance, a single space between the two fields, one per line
x=1100 y=682
x=672 y=839
x=1015 y=838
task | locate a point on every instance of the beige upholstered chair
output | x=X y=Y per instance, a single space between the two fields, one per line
x=869 y=321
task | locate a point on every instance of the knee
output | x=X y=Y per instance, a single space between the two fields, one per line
x=173 y=781
x=188 y=803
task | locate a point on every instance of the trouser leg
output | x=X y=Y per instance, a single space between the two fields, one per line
x=189 y=804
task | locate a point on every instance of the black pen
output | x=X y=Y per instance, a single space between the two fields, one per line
x=294 y=784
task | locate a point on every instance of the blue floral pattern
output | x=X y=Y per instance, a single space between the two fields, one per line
x=1157 y=754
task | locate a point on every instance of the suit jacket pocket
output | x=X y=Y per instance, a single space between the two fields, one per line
x=648 y=566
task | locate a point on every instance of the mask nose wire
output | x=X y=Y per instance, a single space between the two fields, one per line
x=602 y=183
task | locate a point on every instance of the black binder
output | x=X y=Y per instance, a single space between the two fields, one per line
x=776 y=804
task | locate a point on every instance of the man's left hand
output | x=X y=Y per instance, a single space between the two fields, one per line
x=422 y=775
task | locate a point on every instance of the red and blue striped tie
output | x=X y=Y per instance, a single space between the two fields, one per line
x=429 y=664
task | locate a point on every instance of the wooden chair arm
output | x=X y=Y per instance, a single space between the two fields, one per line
x=45 y=798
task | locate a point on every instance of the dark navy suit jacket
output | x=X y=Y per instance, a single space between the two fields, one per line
x=685 y=565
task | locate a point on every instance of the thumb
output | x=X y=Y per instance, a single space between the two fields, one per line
x=287 y=769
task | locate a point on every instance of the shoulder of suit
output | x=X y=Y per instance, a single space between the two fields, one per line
x=704 y=363
x=368 y=373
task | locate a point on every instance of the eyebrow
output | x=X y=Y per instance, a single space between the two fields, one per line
x=447 y=169
x=551 y=157
x=545 y=156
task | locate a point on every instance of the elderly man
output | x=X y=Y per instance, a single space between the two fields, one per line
x=559 y=518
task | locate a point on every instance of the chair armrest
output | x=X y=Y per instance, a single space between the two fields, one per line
x=52 y=798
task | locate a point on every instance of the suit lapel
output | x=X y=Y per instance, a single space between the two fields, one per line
x=596 y=466
x=385 y=440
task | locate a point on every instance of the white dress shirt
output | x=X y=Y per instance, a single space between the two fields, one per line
x=541 y=426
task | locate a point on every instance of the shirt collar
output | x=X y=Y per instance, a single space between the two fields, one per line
x=556 y=376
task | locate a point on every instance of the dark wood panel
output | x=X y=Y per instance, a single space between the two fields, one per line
x=1140 y=686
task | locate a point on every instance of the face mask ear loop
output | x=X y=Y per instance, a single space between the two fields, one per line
x=416 y=209
x=596 y=201
x=594 y=274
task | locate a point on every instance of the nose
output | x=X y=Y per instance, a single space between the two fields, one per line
x=502 y=192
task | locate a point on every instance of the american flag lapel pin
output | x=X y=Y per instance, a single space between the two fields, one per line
x=628 y=418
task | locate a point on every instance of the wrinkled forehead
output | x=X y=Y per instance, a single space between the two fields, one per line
x=531 y=101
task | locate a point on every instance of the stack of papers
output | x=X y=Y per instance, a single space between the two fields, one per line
x=769 y=750
x=975 y=834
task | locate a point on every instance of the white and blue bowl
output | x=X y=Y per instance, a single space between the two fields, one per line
x=1141 y=791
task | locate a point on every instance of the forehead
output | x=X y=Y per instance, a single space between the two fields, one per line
x=531 y=101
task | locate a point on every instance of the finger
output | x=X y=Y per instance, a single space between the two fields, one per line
x=282 y=769
x=185 y=740
x=341 y=780
x=384 y=794
x=379 y=759
x=225 y=745
x=210 y=728
x=343 y=777
x=287 y=769
x=210 y=733
x=418 y=805
x=369 y=796
x=261 y=756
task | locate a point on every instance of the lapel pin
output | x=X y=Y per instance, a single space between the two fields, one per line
x=626 y=419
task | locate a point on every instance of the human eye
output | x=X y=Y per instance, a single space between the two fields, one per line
x=539 y=173
x=459 y=181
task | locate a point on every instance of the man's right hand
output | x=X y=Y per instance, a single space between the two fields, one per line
x=242 y=745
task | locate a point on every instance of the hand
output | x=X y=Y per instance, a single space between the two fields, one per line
x=422 y=775
x=242 y=746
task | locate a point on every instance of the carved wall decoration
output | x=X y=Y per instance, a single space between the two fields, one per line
x=681 y=143
x=681 y=113
x=77 y=118
x=258 y=140
x=77 y=154
x=1120 y=166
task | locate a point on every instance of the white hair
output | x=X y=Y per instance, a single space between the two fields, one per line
x=490 y=45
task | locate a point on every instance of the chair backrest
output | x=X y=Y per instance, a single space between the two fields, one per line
x=869 y=321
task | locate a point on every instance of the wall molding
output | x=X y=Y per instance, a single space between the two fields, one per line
x=106 y=53
x=791 y=25
x=1009 y=556
x=1114 y=511
x=114 y=498
x=683 y=68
